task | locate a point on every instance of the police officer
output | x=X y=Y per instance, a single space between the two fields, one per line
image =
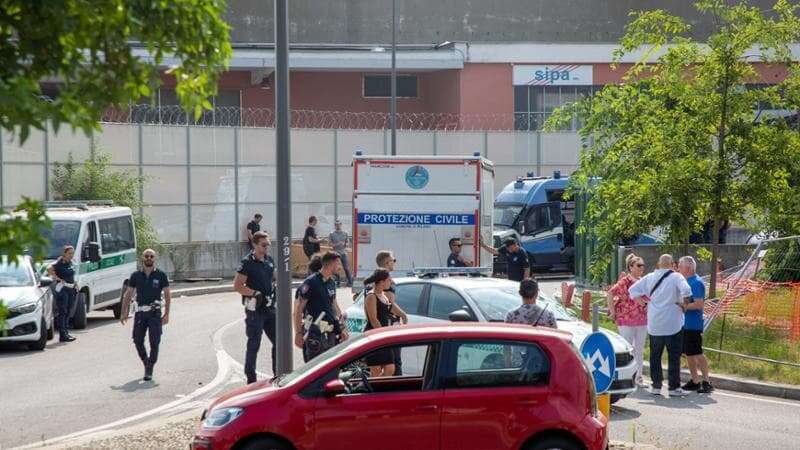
x=517 y=259
x=64 y=274
x=253 y=227
x=148 y=283
x=455 y=259
x=255 y=282
x=317 y=318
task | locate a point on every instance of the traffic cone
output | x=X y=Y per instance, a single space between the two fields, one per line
x=586 y=306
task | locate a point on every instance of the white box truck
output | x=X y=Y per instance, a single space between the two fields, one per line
x=413 y=205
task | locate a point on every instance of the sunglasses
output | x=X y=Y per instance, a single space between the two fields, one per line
x=456 y=245
x=264 y=245
x=149 y=256
x=639 y=265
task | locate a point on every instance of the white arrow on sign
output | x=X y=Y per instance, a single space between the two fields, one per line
x=604 y=368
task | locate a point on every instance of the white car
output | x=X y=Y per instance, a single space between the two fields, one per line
x=29 y=301
x=483 y=299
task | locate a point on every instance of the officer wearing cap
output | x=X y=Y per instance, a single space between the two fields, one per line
x=317 y=318
x=517 y=259
x=148 y=284
x=254 y=281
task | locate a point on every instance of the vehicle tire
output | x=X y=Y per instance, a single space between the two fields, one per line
x=117 y=308
x=79 y=318
x=40 y=344
x=263 y=444
x=554 y=443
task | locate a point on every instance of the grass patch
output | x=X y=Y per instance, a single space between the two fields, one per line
x=740 y=336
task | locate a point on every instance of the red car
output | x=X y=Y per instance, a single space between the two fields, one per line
x=463 y=386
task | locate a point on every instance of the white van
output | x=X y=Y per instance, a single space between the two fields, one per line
x=104 y=238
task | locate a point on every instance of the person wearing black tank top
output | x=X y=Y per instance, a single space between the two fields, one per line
x=379 y=310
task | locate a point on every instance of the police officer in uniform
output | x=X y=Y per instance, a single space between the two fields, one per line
x=255 y=282
x=317 y=318
x=517 y=258
x=148 y=284
x=253 y=227
x=64 y=274
x=455 y=259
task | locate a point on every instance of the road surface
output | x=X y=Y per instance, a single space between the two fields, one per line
x=95 y=382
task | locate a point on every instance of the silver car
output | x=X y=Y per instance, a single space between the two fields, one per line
x=29 y=301
x=489 y=300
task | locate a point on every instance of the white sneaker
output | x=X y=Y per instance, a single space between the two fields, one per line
x=655 y=390
x=677 y=393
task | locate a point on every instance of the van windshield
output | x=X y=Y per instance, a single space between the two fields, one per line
x=64 y=232
x=505 y=215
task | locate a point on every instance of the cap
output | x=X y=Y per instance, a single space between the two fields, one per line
x=509 y=241
x=337 y=222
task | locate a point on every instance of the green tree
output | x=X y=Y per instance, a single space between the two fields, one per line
x=86 y=46
x=95 y=180
x=678 y=143
x=20 y=234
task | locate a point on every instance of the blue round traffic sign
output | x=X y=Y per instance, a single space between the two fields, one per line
x=598 y=352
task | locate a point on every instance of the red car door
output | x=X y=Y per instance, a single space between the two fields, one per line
x=402 y=413
x=494 y=395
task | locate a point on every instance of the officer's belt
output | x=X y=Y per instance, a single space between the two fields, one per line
x=150 y=307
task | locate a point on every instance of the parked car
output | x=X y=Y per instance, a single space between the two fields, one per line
x=480 y=386
x=481 y=299
x=29 y=301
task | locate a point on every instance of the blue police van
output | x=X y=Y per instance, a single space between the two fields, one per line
x=533 y=211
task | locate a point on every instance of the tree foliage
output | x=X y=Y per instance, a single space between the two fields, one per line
x=95 y=180
x=86 y=46
x=678 y=142
x=21 y=234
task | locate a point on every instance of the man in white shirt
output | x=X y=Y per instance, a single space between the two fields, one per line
x=664 y=291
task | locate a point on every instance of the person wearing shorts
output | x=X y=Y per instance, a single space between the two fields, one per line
x=693 y=328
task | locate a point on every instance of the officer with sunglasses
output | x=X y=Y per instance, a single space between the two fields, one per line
x=255 y=282
x=148 y=283
x=455 y=259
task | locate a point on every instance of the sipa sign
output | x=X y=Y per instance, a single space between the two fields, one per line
x=553 y=75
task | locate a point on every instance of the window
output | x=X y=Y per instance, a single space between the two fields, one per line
x=408 y=296
x=534 y=104
x=443 y=301
x=89 y=235
x=418 y=362
x=117 y=234
x=63 y=232
x=380 y=86
x=543 y=217
x=499 y=364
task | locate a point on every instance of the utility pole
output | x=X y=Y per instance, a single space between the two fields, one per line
x=393 y=107
x=283 y=351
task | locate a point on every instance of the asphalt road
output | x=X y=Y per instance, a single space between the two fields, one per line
x=95 y=381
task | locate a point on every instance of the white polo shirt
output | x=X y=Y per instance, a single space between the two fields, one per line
x=664 y=315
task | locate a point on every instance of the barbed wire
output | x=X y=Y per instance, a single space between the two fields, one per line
x=310 y=119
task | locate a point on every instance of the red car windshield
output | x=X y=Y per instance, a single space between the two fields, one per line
x=334 y=352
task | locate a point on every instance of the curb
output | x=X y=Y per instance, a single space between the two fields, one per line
x=735 y=384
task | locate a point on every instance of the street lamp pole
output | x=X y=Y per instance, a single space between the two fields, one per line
x=284 y=342
x=393 y=112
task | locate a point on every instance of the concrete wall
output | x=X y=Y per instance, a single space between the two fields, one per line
x=731 y=255
x=425 y=22
x=220 y=259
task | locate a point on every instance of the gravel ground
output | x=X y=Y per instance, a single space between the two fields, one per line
x=176 y=435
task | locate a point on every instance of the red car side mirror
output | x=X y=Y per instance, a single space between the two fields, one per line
x=334 y=387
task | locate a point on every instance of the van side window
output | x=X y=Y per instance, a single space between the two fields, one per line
x=116 y=234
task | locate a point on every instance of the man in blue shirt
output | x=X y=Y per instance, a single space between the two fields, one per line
x=693 y=328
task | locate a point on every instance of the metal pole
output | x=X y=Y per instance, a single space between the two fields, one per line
x=1 y=171
x=393 y=113
x=335 y=175
x=46 y=163
x=283 y=333
x=236 y=232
